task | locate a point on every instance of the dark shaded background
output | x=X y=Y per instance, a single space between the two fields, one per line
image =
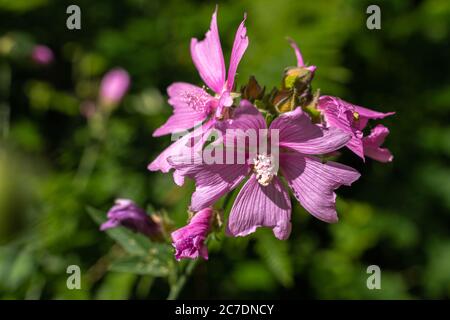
x=396 y=216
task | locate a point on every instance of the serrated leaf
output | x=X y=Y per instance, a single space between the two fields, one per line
x=275 y=254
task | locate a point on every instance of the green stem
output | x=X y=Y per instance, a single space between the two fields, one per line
x=178 y=286
x=181 y=281
x=87 y=164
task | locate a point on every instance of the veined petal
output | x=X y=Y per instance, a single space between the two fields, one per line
x=239 y=46
x=373 y=142
x=356 y=145
x=297 y=132
x=187 y=145
x=241 y=132
x=342 y=115
x=181 y=146
x=365 y=115
x=191 y=105
x=259 y=206
x=208 y=57
x=212 y=181
x=313 y=183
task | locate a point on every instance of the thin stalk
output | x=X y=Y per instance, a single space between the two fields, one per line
x=175 y=289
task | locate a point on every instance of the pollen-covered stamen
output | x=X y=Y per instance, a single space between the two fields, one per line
x=264 y=168
x=197 y=102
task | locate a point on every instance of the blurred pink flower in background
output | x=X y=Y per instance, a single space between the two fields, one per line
x=114 y=85
x=42 y=55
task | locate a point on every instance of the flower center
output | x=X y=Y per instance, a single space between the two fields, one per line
x=263 y=166
x=197 y=102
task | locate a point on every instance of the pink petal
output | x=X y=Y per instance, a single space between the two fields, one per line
x=258 y=206
x=212 y=181
x=373 y=142
x=187 y=145
x=340 y=114
x=178 y=147
x=297 y=132
x=241 y=131
x=191 y=105
x=356 y=145
x=208 y=57
x=245 y=117
x=239 y=46
x=366 y=114
x=313 y=182
x=298 y=54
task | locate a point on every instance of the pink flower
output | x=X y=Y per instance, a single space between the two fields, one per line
x=189 y=241
x=349 y=118
x=127 y=214
x=298 y=54
x=372 y=144
x=193 y=104
x=263 y=201
x=114 y=85
x=42 y=55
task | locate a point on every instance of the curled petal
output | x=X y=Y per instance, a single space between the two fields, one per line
x=342 y=115
x=365 y=115
x=373 y=142
x=189 y=240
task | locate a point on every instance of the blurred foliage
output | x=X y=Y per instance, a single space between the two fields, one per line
x=396 y=216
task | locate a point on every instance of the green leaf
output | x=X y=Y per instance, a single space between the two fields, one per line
x=134 y=243
x=275 y=254
x=155 y=265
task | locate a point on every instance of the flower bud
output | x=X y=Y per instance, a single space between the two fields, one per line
x=42 y=55
x=189 y=241
x=127 y=214
x=113 y=87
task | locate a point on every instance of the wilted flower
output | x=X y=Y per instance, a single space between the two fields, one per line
x=189 y=241
x=349 y=118
x=263 y=200
x=127 y=214
x=42 y=55
x=114 y=85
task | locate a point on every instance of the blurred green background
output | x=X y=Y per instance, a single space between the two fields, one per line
x=397 y=216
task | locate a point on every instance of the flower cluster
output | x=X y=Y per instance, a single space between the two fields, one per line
x=274 y=141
